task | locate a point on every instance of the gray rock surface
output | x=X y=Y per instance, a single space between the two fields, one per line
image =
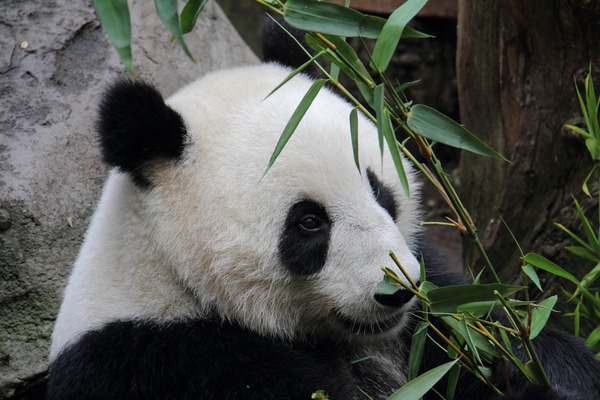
x=54 y=62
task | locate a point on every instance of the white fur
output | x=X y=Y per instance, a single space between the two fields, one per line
x=205 y=237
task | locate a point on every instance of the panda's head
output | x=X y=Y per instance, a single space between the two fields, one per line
x=294 y=252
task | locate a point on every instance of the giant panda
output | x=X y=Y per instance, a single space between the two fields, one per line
x=203 y=275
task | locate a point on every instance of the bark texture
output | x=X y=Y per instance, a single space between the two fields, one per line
x=517 y=61
x=54 y=62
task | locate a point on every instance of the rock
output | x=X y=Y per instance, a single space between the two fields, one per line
x=54 y=62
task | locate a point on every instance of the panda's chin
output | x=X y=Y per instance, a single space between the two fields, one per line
x=374 y=328
x=388 y=326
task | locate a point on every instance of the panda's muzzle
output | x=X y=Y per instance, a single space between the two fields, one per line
x=396 y=299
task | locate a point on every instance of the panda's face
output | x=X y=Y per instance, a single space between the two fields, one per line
x=297 y=250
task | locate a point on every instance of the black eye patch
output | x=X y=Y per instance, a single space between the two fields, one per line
x=305 y=238
x=383 y=194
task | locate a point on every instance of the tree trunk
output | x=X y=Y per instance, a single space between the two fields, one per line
x=517 y=61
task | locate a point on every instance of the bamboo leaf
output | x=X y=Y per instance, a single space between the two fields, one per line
x=390 y=138
x=547 y=265
x=574 y=236
x=453 y=376
x=386 y=131
x=416 y=388
x=584 y=185
x=540 y=315
x=354 y=136
x=348 y=56
x=295 y=119
x=486 y=348
x=392 y=32
x=379 y=102
x=577 y=319
x=583 y=253
x=447 y=299
x=294 y=73
x=587 y=227
x=417 y=346
x=333 y=19
x=530 y=272
x=466 y=334
x=387 y=286
x=346 y=59
x=189 y=15
x=594 y=338
x=167 y=12
x=115 y=19
x=434 y=125
x=480 y=308
x=589 y=279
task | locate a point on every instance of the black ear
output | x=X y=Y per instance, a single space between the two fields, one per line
x=278 y=46
x=136 y=127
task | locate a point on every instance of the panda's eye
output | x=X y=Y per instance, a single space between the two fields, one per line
x=311 y=223
x=304 y=241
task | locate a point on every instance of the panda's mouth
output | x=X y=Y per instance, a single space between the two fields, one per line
x=373 y=327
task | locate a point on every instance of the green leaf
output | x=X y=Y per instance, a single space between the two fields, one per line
x=530 y=272
x=540 y=315
x=453 y=376
x=347 y=60
x=577 y=319
x=379 y=104
x=392 y=31
x=594 y=338
x=351 y=60
x=588 y=279
x=480 y=308
x=390 y=138
x=406 y=85
x=354 y=136
x=583 y=252
x=434 y=125
x=574 y=236
x=294 y=73
x=543 y=263
x=466 y=334
x=417 y=346
x=486 y=348
x=587 y=227
x=387 y=286
x=416 y=388
x=167 y=12
x=189 y=15
x=386 y=131
x=115 y=19
x=333 y=19
x=426 y=287
x=584 y=185
x=295 y=119
x=447 y=299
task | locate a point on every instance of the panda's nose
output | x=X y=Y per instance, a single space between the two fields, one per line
x=396 y=300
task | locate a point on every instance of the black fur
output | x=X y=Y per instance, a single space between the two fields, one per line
x=136 y=127
x=195 y=360
x=305 y=239
x=383 y=194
